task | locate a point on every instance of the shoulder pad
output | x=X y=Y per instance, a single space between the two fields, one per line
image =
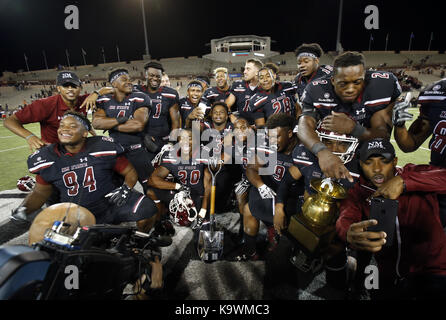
x=100 y=146
x=42 y=158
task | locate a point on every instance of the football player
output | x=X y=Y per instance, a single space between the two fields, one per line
x=205 y=82
x=164 y=110
x=190 y=106
x=306 y=167
x=307 y=56
x=125 y=114
x=83 y=170
x=229 y=173
x=353 y=101
x=221 y=91
x=273 y=97
x=190 y=175
x=237 y=155
x=430 y=123
x=242 y=90
x=262 y=193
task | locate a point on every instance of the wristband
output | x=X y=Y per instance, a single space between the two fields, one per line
x=202 y=213
x=318 y=146
x=122 y=120
x=177 y=186
x=31 y=135
x=358 y=131
x=97 y=92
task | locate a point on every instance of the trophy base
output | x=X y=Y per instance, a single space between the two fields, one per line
x=309 y=238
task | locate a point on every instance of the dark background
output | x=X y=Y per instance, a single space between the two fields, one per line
x=184 y=27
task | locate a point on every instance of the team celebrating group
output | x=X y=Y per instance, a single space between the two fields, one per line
x=272 y=139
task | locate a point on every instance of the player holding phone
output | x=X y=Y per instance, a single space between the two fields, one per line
x=418 y=254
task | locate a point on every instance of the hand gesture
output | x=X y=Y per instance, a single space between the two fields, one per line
x=360 y=239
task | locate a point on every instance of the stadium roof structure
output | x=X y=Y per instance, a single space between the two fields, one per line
x=239 y=48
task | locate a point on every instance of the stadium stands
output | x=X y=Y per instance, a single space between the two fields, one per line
x=183 y=69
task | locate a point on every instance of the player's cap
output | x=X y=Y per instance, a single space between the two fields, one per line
x=377 y=147
x=67 y=77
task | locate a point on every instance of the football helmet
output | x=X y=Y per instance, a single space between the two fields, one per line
x=182 y=209
x=26 y=183
x=352 y=142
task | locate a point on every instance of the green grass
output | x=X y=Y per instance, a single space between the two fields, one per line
x=13 y=154
x=14 y=151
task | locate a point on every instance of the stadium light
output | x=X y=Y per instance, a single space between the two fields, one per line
x=338 y=36
x=145 y=28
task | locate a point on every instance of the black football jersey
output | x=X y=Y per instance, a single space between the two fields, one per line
x=190 y=174
x=186 y=107
x=242 y=93
x=308 y=165
x=275 y=169
x=125 y=108
x=381 y=89
x=432 y=102
x=300 y=82
x=214 y=94
x=83 y=178
x=159 y=124
x=281 y=99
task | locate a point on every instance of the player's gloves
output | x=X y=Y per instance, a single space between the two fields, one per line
x=180 y=187
x=400 y=113
x=19 y=214
x=120 y=195
x=266 y=192
x=151 y=145
x=198 y=222
x=242 y=186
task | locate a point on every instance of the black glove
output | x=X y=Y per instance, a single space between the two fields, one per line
x=150 y=145
x=120 y=195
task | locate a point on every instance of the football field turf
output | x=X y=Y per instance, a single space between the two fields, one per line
x=14 y=152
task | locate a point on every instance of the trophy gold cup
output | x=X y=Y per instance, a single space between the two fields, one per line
x=314 y=227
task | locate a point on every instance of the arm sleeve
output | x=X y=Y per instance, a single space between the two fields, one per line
x=121 y=164
x=284 y=187
x=308 y=109
x=349 y=212
x=397 y=88
x=424 y=178
x=40 y=180
x=34 y=112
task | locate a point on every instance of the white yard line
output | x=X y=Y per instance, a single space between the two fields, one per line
x=13 y=148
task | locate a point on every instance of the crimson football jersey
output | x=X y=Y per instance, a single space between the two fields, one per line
x=433 y=108
x=83 y=178
x=159 y=124
x=300 y=82
x=125 y=108
x=381 y=88
x=281 y=99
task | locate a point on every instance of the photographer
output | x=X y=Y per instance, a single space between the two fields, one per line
x=414 y=265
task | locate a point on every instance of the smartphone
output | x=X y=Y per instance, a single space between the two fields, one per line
x=384 y=211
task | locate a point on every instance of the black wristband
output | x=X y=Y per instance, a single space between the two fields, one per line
x=97 y=92
x=318 y=146
x=122 y=120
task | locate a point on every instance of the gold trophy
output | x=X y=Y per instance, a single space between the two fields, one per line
x=314 y=227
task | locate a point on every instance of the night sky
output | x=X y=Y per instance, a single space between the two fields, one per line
x=184 y=27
